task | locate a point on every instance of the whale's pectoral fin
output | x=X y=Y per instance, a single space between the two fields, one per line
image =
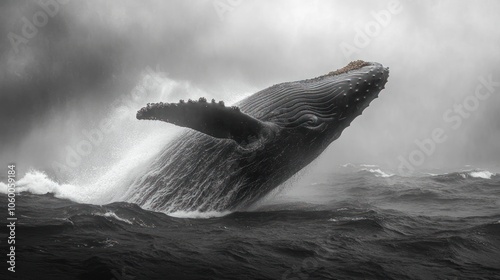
x=213 y=119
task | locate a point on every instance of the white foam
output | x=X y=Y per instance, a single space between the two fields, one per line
x=343 y=219
x=198 y=214
x=102 y=188
x=481 y=174
x=476 y=173
x=378 y=172
x=109 y=242
x=112 y=214
x=37 y=182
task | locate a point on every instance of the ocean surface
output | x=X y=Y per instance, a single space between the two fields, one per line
x=359 y=222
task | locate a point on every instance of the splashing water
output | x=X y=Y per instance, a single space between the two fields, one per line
x=134 y=144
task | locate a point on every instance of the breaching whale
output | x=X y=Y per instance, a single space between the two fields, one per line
x=232 y=156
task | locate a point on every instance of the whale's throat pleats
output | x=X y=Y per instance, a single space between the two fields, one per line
x=211 y=118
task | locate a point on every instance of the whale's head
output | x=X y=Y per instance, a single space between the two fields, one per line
x=325 y=105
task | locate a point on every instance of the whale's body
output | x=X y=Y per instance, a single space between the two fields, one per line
x=235 y=155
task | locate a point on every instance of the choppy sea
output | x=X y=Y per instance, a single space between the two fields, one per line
x=358 y=222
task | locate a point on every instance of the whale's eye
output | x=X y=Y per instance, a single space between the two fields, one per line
x=310 y=121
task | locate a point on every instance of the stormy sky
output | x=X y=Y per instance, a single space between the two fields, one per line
x=63 y=64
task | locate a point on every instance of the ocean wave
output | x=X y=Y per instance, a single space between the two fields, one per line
x=362 y=165
x=378 y=172
x=109 y=219
x=37 y=182
x=111 y=214
x=371 y=168
x=475 y=174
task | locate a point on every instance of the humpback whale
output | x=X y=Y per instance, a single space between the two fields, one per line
x=232 y=156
